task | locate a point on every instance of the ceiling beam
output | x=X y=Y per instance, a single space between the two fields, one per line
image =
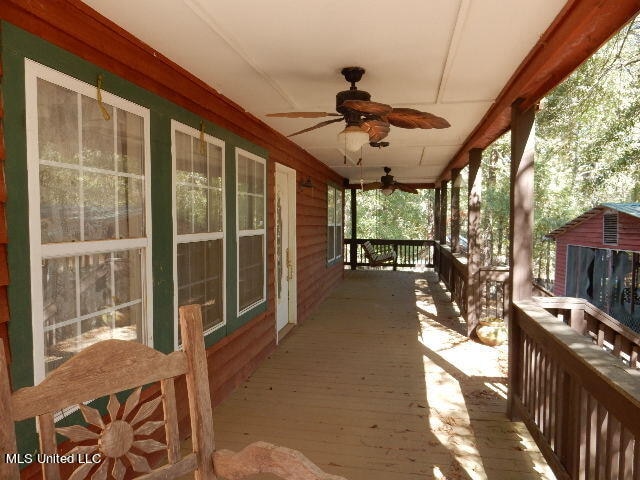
x=580 y=28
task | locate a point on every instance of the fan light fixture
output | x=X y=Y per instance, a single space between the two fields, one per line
x=352 y=138
x=387 y=191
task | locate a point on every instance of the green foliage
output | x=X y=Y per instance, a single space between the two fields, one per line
x=398 y=216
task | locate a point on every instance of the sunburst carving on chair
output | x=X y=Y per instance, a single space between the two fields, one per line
x=117 y=438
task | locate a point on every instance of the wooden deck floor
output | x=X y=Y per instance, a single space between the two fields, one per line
x=380 y=384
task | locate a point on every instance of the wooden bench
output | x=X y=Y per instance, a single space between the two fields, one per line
x=377 y=259
x=120 y=441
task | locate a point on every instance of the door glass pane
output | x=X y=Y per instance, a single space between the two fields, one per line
x=199 y=162
x=58 y=139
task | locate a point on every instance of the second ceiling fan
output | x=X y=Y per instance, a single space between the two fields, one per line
x=366 y=121
x=388 y=185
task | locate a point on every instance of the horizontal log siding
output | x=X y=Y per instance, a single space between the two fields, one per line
x=75 y=27
x=589 y=234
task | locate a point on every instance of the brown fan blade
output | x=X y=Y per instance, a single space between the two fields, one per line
x=372 y=108
x=410 y=118
x=405 y=188
x=377 y=129
x=321 y=124
x=303 y=114
x=372 y=186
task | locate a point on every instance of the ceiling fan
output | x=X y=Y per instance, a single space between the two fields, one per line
x=388 y=185
x=366 y=121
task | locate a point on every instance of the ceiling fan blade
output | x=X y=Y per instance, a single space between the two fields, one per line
x=372 y=186
x=377 y=129
x=372 y=108
x=303 y=114
x=405 y=188
x=411 y=118
x=321 y=124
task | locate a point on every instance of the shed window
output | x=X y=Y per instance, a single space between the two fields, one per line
x=251 y=238
x=199 y=218
x=88 y=199
x=610 y=228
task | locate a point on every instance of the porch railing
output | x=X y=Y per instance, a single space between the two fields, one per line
x=581 y=404
x=452 y=270
x=409 y=253
x=604 y=330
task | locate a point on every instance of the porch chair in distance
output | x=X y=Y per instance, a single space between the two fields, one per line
x=128 y=431
x=377 y=259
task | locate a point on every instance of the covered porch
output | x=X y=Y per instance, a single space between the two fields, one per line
x=382 y=382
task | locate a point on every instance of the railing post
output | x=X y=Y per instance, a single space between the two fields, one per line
x=443 y=213
x=474 y=303
x=353 y=255
x=455 y=210
x=520 y=233
x=436 y=214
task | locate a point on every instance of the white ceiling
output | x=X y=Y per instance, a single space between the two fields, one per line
x=448 y=57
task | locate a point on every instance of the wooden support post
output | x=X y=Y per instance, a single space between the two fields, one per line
x=443 y=213
x=353 y=253
x=474 y=303
x=455 y=210
x=520 y=232
x=436 y=215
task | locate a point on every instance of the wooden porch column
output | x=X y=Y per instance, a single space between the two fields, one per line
x=520 y=232
x=455 y=211
x=436 y=215
x=443 y=213
x=353 y=253
x=474 y=306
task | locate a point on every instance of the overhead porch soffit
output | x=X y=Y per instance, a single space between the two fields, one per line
x=467 y=61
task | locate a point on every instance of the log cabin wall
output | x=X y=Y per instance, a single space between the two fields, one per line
x=589 y=234
x=82 y=34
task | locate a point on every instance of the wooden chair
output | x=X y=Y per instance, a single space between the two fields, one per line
x=113 y=366
x=377 y=259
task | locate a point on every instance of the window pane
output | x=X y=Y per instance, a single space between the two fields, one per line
x=258 y=213
x=183 y=156
x=97 y=135
x=215 y=166
x=199 y=176
x=57 y=123
x=59 y=204
x=243 y=174
x=215 y=210
x=200 y=201
x=127 y=269
x=130 y=142
x=331 y=206
x=130 y=207
x=250 y=270
x=99 y=206
x=200 y=279
x=243 y=212
x=184 y=209
x=96 y=289
x=66 y=331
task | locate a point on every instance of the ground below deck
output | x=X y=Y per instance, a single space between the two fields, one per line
x=380 y=383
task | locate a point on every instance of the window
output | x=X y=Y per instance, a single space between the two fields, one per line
x=198 y=166
x=334 y=223
x=250 y=181
x=89 y=216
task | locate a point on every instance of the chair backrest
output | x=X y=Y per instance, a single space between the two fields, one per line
x=119 y=441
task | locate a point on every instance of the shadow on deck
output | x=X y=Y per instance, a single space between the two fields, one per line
x=381 y=384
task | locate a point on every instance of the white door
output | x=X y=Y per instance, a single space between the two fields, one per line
x=285 y=246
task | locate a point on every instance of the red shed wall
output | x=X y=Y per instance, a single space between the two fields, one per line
x=589 y=234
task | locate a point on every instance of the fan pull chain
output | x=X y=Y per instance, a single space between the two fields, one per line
x=105 y=112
